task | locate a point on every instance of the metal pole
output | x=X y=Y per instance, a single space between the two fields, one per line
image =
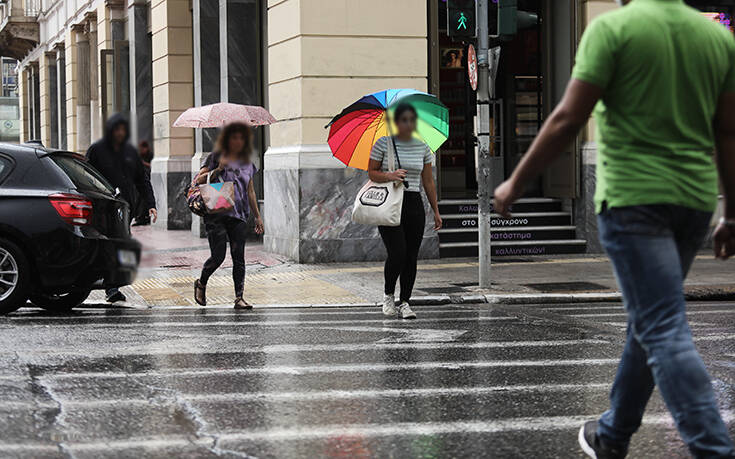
x=484 y=179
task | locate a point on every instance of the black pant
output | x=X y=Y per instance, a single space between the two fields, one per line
x=403 y=243
x=220 y=229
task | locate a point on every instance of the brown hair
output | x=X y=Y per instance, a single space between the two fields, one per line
x=223 y=140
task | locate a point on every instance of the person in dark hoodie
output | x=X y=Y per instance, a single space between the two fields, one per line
x=120 y=164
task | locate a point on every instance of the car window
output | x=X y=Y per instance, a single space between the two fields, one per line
x=5 y=166
x=83 y=176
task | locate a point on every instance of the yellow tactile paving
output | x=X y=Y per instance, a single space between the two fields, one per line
x=260 y=288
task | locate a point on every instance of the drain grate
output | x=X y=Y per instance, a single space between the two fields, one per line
x=555 y=287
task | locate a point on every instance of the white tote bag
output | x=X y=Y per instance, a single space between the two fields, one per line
x=380 y=203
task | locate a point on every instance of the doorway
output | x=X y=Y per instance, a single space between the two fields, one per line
x=517 y=109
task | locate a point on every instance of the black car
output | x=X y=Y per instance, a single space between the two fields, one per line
x=63 y=230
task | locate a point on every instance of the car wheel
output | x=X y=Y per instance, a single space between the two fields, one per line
x=60 y=302
x=14 y=277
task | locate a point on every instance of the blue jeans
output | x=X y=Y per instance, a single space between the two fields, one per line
x=652 y=248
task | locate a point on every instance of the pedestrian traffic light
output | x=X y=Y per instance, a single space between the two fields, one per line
x=461 y=19
x=510 y=20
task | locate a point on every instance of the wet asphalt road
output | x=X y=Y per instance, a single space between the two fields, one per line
x=465 y=381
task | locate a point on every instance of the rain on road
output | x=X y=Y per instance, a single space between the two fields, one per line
x=462 y=381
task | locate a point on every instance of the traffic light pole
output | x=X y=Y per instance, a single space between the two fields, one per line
x=484 y=178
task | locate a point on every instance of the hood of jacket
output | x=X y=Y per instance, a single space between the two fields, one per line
x=113 y=122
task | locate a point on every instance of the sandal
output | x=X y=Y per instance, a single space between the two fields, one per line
x=242 y=304
x=200 y=293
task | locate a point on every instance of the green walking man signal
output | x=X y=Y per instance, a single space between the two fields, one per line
x=461 y=19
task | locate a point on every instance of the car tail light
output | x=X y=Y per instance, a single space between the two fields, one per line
x=73 y=209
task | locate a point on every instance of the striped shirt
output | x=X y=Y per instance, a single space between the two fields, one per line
x=413 y=155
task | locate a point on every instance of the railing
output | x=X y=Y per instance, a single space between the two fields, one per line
x=19 y=8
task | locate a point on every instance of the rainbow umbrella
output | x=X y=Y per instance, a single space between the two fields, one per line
x=353 y=132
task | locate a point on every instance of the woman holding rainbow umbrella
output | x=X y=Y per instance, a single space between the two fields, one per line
x=412 y=124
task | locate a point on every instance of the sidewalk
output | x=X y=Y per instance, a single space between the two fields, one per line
x=172 y=259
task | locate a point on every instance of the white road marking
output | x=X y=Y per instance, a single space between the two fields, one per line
x=316 y=396
x=408 y=335
x=209 y=311
x=281 y=323
x=623 y=314
x=339 y=368
x=336 y=347
x=407 y=429
x=726 y=336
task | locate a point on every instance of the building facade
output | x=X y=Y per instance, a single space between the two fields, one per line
x=82 y=60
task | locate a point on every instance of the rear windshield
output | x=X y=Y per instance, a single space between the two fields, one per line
x=84 y=177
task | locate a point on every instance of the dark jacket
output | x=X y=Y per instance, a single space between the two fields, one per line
x=123 y=168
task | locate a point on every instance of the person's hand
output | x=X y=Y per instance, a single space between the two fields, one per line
x=259 y=228
x=437 y=221
x=724 y=239
x=153 y=213
x=504 y=197
x=397 y=175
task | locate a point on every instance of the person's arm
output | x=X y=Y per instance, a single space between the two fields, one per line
x=253 y=199
x=724 y=237
x=377 y=155
x=427 y=178
x=378 y=176
x=557 y=133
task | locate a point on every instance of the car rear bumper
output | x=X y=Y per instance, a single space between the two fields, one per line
x=81 y=262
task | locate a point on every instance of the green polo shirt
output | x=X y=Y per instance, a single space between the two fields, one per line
x=663 y=67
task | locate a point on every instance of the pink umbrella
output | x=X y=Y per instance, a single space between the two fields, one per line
x=222 y=113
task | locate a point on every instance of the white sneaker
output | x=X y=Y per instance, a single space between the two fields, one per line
x=389 y=306
x=406 y=311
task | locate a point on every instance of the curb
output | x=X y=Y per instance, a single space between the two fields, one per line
x=477 y=298
x=517 y=298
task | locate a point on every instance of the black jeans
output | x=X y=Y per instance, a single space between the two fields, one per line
x=403 y=243
x=220 y=229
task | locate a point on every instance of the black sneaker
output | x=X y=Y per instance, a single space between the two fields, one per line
x=115 y=297
x=594 y=448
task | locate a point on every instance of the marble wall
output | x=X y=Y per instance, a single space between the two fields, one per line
x=585 y=217
x=309 y=209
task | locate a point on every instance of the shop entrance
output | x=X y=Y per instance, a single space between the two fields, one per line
x=533 y=68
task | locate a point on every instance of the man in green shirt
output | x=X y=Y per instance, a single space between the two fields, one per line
x=661 y=79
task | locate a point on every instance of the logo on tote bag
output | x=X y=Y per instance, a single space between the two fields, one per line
x=374 y=196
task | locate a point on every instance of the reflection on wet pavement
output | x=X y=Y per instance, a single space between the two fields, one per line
x=338 y=383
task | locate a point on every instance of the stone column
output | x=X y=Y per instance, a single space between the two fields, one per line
x=95 y=115
x=70 y=59
x=61 y=102
x=23 y=104
x=206 y=53
x=53 y=99
x=172 y=93
x=84 y=138
x=43 y=99
x=321 y=60
x=141 y=96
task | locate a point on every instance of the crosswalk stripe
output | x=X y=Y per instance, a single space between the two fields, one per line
x=276 y=323
x=349 y=347
x=358 y=431
x=341 y=368
x=619 y=314
x=315 y=396
x=229 y=312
